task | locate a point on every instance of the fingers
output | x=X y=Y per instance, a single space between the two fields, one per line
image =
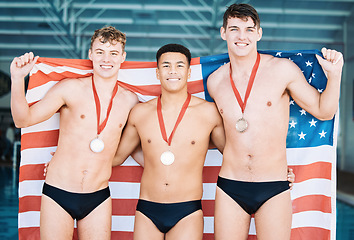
x=25 y=59
x=331 y=55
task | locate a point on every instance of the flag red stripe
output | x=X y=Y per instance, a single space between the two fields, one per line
x=31 y=233
x=29 y=203
x=312 y=233
x=31 y=172
x=210 y=174
x=133 y=173
x=126 y=174
x=39 y=139
x=41 y=78
x=312 y=203
x=313 y=170
x=123 y=207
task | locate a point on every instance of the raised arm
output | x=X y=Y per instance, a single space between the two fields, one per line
x=130 y=140
x=22 y=114
x=321 y=105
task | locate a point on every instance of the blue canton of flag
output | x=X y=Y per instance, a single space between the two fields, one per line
x=304 y=129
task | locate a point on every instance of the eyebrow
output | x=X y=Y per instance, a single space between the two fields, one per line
x=100 y=49
x=166 y=62
x=254 y=26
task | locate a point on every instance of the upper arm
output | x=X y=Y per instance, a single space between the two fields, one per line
x=305 y=95
x=47 y=106
x=218 y=132
x=129 y=141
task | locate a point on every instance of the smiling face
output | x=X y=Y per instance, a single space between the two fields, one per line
x=173 y=71
x=106 y=58
x=241 y=35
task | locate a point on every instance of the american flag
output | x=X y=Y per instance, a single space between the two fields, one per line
x=311 y=149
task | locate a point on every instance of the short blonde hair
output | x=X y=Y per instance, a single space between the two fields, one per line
x=109 y=34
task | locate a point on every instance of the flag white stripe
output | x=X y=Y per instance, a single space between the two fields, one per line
x=28 y=219
x=304 y=156
x=30 y=188
x=47 y=69
x=37 y=93
x=312 y=219
x=311 y=187
x=36 y=155
x=48 y=125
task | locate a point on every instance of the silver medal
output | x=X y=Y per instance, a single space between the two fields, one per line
x=167 y=158
x=97 y=145
x=241 y=125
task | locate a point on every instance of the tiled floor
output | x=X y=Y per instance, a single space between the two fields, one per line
x=9 y=204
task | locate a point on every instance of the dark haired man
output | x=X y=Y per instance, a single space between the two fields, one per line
x=252 y=178
x=174 y=131
x=93 y=111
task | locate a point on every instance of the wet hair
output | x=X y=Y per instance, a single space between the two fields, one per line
x=109 y=34
x=242 y=11
x=172 y=47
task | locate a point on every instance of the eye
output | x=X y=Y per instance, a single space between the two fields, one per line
x=99 y=52
x=180 y=65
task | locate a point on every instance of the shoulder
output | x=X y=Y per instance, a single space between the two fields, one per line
x=217 y=76
x=141 y=109
x=70 y=85
x=280 y=65
x=205 y=109
x=219 y=73
x=129 y=96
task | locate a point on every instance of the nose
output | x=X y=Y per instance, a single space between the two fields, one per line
x=106 y=57
x=173 y=69
x=241 y=35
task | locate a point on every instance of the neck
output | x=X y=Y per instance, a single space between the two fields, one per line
x=104 y=83
x=243 y=63
x=169 y=99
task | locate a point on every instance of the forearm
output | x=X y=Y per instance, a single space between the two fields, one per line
x=329 y=98
x=19 y=105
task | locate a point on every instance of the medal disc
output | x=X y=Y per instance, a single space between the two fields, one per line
x=241 y=125
x=167 y=158
x=97 y=145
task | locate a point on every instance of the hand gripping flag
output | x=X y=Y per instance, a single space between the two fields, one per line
x=311 y=149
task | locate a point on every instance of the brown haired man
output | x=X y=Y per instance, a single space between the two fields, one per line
x=93 y=111
x=252 y=179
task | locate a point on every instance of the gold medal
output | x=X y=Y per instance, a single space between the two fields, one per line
x=241 y=125
x=167 y=158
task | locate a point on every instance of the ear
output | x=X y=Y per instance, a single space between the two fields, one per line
x=157 y=73
x=223 y=33
x=260 y=33
x=90 y=54
x=124 y=56
x=189 y=72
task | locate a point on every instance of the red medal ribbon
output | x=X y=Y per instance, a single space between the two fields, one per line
x=249 y=86
x=101 y=126
x=179 y=119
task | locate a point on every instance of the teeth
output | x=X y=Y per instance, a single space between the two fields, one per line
x=173 y=79
x=241 y=44
x=106 y=67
